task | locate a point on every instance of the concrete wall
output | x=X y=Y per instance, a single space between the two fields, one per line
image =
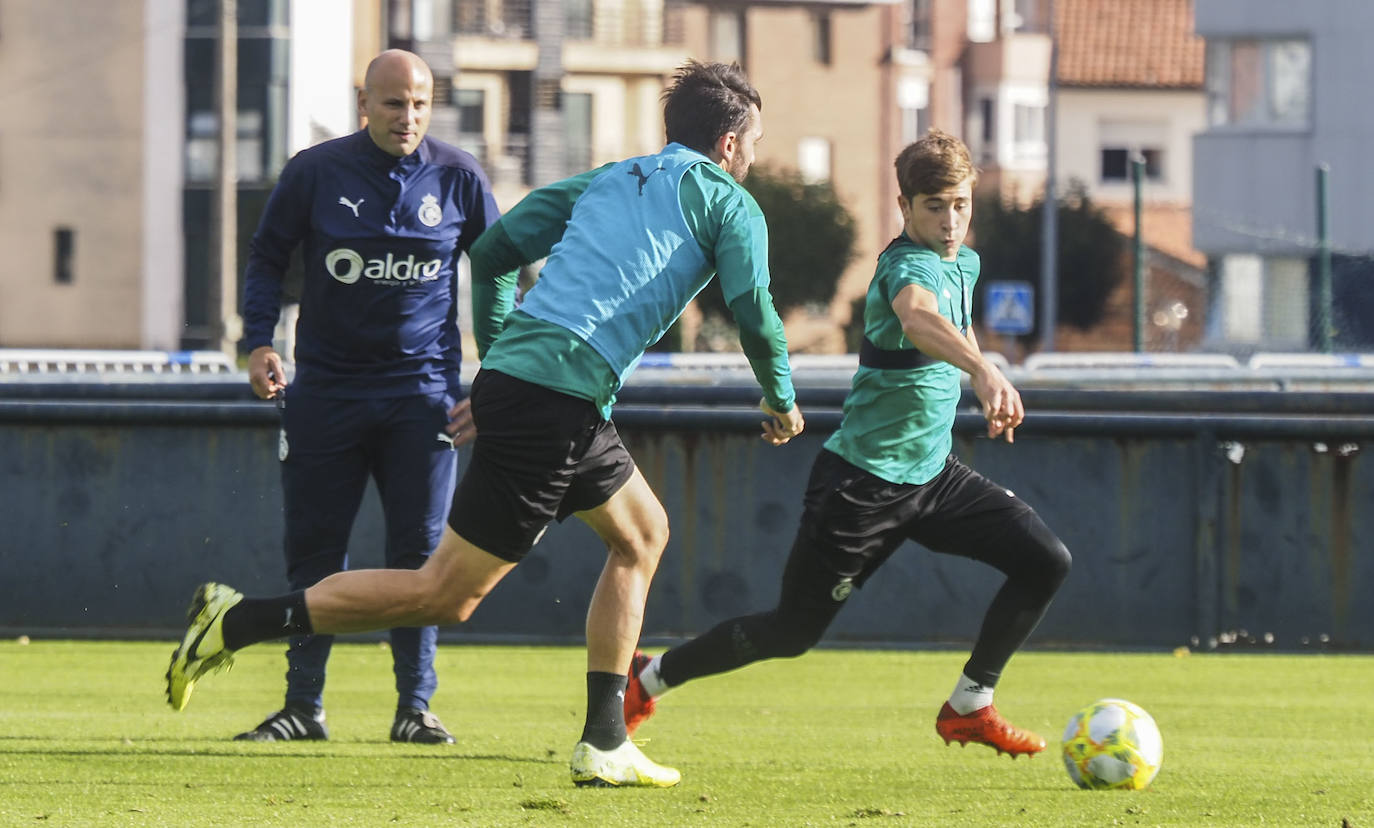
x=1181 y=525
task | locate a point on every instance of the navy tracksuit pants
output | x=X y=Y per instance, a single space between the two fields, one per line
x=329 y=449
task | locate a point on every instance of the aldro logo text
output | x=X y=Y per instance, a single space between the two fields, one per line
x=348 y=266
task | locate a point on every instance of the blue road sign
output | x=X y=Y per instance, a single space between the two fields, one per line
x=1009 y=308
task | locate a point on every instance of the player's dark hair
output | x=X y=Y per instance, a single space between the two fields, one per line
x=705 y=101
x=935 y=162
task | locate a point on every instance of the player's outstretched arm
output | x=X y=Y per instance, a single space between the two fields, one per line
x=935 y=335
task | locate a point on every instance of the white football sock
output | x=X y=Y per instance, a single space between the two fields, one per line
x=969 y=696
x=650 y=679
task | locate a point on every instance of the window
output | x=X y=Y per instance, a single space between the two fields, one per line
x=727 y=35
x=64 y=249
x=1030 y=124
x=1120 y=141
x=982 y=21
x=1028 y=132
x=201 y=149
x=1259 y=82
x=921 y=30
x=813 y=159
x=472 y=118
x=983 y=129
x=202 y=146
x=820 y=37
x=578 y=14
x=470 y=18
x=1029 y=16
x=248 y=146
x=913 y=105
x=422 y=19
x=1116 y=163
x=1264 y=300
x=577 y=120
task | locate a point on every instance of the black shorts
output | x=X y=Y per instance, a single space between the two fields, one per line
x=539 y=455
x=853 y=521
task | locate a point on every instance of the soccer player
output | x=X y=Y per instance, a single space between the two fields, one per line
x=383 y=216
x=628 y=246
x=888 y=476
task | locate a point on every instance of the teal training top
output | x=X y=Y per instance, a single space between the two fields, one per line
x=897 y=422
x=629 y=245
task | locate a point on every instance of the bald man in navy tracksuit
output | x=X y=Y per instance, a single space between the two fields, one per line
x=383 y=216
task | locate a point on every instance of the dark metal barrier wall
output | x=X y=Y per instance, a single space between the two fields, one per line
x=1190 y=514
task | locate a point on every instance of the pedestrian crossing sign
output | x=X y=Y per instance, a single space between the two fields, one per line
x=1009 y=308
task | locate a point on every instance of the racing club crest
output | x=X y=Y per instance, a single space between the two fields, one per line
x=430 y=212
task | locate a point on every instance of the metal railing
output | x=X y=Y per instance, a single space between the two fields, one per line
x=20 y=361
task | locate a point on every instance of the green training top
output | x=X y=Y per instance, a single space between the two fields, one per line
x=590 y=357
x=897 y=422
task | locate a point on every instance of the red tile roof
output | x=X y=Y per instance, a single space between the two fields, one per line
x=1167 y=228
x=1133 y=43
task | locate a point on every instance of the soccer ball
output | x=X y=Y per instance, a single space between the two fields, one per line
x=1112 y=744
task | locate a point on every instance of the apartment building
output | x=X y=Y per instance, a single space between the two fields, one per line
x=1287 y=90
x=1129 y=85
x=89 y=174
x=538 y=90
x=844 y=90
x=112 y=218
x=539 y=95
x=106 y=190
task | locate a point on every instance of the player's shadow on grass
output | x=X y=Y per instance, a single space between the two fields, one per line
x=103 y=747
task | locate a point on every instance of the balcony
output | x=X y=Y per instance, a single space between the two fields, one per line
x=633 y=23
x=1019 y=56
x=501 y=19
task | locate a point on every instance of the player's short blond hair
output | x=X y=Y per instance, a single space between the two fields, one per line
x=934 y=163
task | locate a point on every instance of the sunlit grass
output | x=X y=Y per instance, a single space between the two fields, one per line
x=834 y=738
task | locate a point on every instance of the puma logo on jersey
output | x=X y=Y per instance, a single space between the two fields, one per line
x=643 y=176
x=352 y=205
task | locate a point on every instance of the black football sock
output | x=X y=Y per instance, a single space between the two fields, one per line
x=263 y=619
x=605 y=727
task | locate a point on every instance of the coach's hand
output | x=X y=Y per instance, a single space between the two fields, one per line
x=782 y=426
x=460 y=425
x=265 y=372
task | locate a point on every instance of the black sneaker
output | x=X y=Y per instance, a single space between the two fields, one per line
x=288 y=724
x=420 y=726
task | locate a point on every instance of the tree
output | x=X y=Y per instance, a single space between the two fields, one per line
x=810 y=240
x=1092 y=254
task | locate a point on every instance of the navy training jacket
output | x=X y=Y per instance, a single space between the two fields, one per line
x=382 y=237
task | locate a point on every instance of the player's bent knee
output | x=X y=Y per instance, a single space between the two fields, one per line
x=654 y=537
x=1058 y=561
x=644 y=548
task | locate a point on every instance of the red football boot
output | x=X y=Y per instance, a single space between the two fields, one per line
x=987 y=727
x=639 y=705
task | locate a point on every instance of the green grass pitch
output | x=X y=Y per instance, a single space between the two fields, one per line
x=836 y=738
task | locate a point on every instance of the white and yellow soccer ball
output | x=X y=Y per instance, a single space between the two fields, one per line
x=1112 y=744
